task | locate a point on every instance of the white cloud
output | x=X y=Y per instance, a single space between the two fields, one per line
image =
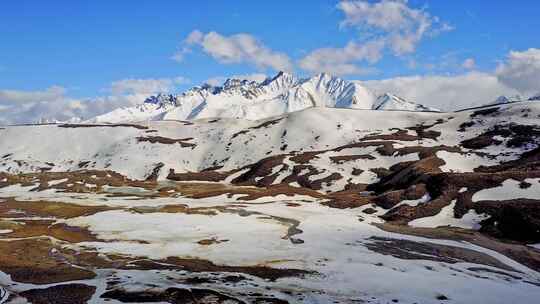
x=521 y=71
x=179 y=55
x=447 y=93
x=238 y=48
x=402 y=26
x=340 y=61
x=194 y=37
x=146 y=86
x=390 y=24
x=19 y=97
x=53 y=103
x=518 y=74
x=216 y=81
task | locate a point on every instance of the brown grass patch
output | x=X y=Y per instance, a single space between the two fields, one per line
x=59 y=231
x=34 y=261
x=46 y=209
x=198 y=265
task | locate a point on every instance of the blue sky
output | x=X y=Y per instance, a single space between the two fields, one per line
x=84 y=46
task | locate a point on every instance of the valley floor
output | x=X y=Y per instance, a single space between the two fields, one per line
x=316 y=206
x=174 y=242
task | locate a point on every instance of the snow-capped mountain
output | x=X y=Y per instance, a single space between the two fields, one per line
x=253 y=100
x=506 y=99
x=503 y=99
x=319 y=195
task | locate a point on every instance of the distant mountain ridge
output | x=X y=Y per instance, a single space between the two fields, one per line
x=252 y=100
x=516 y=98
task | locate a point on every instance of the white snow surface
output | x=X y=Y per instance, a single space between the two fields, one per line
x=234 y=143
x=510 y=189
x=252 y=100
x=334 y=247
x=446 y=217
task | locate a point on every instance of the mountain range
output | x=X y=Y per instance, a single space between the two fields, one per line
x=287 y=190
x=244 y=99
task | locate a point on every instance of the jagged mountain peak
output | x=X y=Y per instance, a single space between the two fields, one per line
x=232 y=83
x=160 y=99
x=501 y=99
x=387 y=98
x=283 y=75
x=325 y=79
x=247 y=99
x=282 y=80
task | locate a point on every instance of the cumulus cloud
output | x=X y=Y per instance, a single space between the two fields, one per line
x=13 y=97
x=391 y=24
x=194 y=37
x=216 y=81
x=447 y=93
x=402 y=25
x=26 y=106
x=53 y=103
x=238 y=48
x=521 y=71
x=517 y=74
x=340 y=61
x=146 y=86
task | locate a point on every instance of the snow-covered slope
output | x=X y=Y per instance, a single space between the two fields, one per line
x=331 y=191
x=252 y=100
x=233 y=143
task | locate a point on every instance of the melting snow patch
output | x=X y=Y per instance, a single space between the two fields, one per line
x=510 y=189
x=231 y=177
x=176 y=234
x=456 y=162
x=57 y=181
x=537 y=246
x=424 y=199
x=446 y=218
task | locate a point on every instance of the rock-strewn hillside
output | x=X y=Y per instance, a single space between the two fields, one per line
x=290 y=208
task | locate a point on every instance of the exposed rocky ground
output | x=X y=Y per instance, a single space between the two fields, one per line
x=317 y=206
